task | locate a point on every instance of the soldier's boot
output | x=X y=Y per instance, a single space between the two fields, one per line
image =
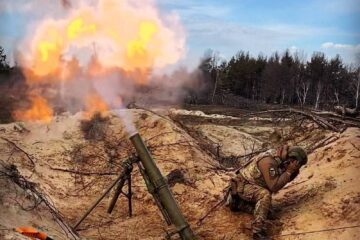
x=261 y=213
x=259 y=229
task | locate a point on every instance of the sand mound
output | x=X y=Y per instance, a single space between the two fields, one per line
x=61 y=146
x=74 y=171
x=327 y=193
x=230 y=140
x=21 y=207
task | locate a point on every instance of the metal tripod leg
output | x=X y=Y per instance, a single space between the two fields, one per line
x=129 y=196
x=125 y=172
x=116 y=195
x=119 y=188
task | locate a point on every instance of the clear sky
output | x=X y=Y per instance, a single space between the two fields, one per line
x=257 y=26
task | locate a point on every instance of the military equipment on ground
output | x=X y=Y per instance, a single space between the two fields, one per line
x=156 y=184
x=158 y=187
x=33 y=233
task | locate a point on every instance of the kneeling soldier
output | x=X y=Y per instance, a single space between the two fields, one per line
x=263 y=175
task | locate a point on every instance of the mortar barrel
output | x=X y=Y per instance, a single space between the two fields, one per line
x=165 y=195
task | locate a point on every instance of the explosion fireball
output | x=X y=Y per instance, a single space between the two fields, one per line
x=74 y=55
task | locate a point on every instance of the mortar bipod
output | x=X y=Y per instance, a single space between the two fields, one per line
x=127 y=168
x=125 y=175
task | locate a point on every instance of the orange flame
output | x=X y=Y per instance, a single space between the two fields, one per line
x=95 y=104
x=39 y=111
x=128 y=37
x=78 y=27
x=47 y=52
x=137 y=53
x=94 y=40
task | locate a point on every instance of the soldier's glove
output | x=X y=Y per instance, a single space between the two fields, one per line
x=293 y=167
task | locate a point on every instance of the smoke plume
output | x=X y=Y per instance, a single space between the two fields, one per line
x=99 y=55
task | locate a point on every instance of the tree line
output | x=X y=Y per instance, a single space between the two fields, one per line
x=281 y=79
x=12 y=87
x=286 y=78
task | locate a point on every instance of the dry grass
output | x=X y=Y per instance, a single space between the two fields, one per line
x=95 y=128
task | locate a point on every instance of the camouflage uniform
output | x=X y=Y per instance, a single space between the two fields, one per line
x=259 y=178
x=249 y=187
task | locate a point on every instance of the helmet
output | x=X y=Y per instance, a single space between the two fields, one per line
x=298 y=153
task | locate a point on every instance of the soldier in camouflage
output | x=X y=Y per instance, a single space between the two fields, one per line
x=263 y=175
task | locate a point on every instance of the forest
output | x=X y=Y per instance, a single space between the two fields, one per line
x=318 y=83
x=286 y=78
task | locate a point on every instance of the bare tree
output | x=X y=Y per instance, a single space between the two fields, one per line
x=214 y=63
x=319 y=88
x=215 y=86
x=4 y=64
x=356 y=87
x=357 y=82
x=317 y=71
x=302 y=90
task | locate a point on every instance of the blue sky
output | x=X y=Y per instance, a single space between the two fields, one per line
x=264 y=26
x=257 y=26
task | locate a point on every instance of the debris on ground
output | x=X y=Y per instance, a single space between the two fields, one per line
x=72 y=169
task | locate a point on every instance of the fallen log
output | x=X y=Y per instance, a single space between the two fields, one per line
x=344 y=111
x=317 y=119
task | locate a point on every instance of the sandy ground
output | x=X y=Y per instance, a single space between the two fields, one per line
x=17 y=210
x=325 y=195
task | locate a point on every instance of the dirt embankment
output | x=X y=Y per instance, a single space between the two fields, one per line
x=73 y=172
